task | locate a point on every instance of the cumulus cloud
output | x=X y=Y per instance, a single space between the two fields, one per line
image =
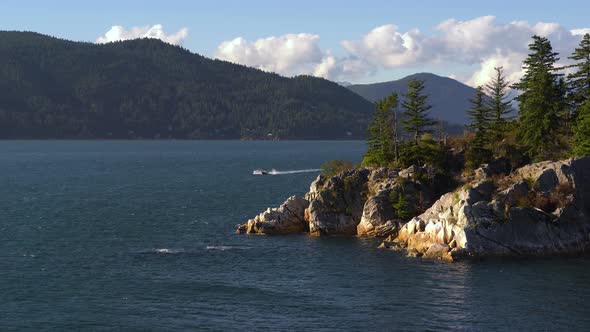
x=479 y=45
x=387 y=47
x=117 y=33
x=481 y=42
x=289 y=54
x=580 y=32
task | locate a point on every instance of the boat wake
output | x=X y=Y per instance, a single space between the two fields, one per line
x=277 y=172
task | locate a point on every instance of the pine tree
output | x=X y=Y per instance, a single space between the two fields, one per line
x=541 y=100
x=382 y=139
x=498 y=104
x=415 y=109
x=481 y=123
x=579 y=81
x=401 y=207
x=582 y=131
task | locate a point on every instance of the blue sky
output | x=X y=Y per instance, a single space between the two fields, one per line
x=211 y=23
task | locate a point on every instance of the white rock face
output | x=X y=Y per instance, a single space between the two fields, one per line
x=378 y=217
x=287 y=218
x=471 y=224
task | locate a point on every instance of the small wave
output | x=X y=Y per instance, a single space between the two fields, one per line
x=277 y=172
x=226 y=248
x=166 y=251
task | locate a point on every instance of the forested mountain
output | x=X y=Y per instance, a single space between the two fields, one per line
x=53 y=88
x=448 y=97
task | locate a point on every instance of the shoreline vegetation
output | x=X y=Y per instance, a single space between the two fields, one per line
x=511 y=186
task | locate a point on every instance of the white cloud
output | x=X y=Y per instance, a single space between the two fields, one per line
x=511 y=63
x=117 y=33
x=289 y=54
x=482 y=42
x=387 y=47
x=479 y=45
x=580 y=32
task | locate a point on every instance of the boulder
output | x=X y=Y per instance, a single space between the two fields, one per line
x=378 y=217
x=496 y=167
x=409 y=172
x=287 y=218
x=438 y=251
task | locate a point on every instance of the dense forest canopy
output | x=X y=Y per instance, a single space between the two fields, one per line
x=53 y=88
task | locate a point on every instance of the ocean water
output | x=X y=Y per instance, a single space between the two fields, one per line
x=139 y=236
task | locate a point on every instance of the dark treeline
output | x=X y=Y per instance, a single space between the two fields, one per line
x=53 y=88
x=553 y=119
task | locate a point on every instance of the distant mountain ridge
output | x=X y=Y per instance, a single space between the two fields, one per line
x=145 y=88
x=449 y=98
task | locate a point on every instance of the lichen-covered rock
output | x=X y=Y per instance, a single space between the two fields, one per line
x=287 y=218
x=358 y=202
x=336 y=207
x=471 y=223
x=416 y=187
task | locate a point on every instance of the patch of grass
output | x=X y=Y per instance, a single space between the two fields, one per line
x=559 y=198
x=348 y=211
x=421 y=177
x=456 y=198
x=530 y=182
x=349 y=180
x=402 y=181
x=333 y=167
x=400 y=205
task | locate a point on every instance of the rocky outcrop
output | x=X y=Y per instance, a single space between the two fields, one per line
x=287 y=218
x=540 y=209
x=336 y=204
x=354 y=202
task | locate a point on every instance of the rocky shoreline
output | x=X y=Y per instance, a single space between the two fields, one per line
x=540 y=209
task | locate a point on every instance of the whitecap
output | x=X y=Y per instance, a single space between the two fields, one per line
x=226 y=248
x=166 y=251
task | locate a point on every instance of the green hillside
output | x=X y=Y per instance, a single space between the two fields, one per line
x=53 y=88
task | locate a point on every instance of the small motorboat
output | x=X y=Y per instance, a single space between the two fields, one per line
x=263 y=172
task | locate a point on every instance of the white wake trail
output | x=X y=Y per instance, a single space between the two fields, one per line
x=277 y=172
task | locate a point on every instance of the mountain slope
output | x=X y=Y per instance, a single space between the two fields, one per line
x=53 y=88
x=448 y=97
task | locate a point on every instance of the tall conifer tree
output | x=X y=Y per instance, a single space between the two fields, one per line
x=382 y=139
x=481 y=123
x=582 y=131
x=497 y=103
x=579 y=81
x=541 y=101
x=415 y=108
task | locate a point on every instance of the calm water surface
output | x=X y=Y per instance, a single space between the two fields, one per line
x=139 y=236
